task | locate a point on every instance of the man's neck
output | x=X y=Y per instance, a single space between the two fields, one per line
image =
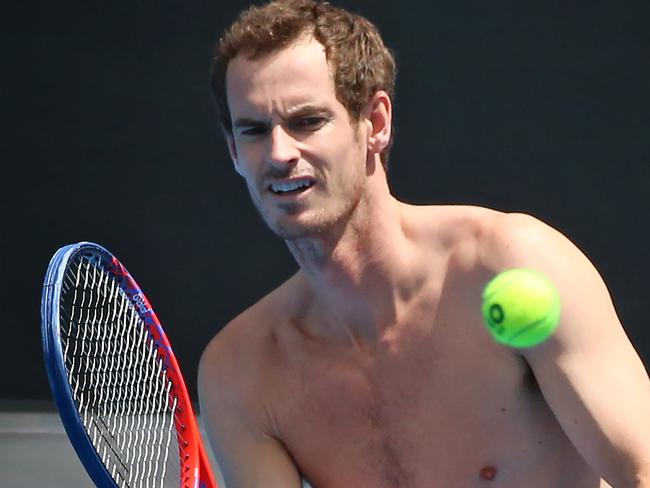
x=361 y=274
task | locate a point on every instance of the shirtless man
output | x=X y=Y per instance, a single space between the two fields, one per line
x=370 y=367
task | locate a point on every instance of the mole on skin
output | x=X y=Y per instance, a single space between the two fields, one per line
x=488 y=473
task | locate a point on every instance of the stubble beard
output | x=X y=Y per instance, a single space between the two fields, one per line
x=321 y=221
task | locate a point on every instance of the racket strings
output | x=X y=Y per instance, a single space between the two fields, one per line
x=118 y=378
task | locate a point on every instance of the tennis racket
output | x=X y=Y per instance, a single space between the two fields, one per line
x=115 y=381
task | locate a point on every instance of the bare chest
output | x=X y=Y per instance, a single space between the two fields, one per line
x=445 y=409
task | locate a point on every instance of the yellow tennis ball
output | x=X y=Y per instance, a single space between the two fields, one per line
x=521 y=308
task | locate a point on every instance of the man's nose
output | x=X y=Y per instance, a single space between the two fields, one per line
x=283 y=149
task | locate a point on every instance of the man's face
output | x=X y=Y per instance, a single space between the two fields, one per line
x=303 y=160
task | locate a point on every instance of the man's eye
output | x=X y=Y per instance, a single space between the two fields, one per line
x=253 y=131
x=308 y=123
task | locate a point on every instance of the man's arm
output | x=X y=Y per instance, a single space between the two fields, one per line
x=589 y=373
x=235 y=419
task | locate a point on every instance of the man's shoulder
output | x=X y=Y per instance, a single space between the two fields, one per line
x=484 y=237
x=513 y=239
x=240 y=367
x=450 y=224
x=488 y=226
x=248 y=343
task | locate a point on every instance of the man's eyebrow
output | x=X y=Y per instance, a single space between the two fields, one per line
x=305 y=109
x=248 y=122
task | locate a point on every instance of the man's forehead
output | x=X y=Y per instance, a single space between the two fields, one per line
x=301 y=57
x=298 y=74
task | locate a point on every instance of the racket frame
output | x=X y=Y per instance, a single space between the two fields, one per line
x=194 y=465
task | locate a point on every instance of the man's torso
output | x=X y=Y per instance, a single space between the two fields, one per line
x=436 y=403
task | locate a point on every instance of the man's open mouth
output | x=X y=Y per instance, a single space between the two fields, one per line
x=291 y=187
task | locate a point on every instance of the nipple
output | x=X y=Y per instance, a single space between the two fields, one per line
x=488 y=473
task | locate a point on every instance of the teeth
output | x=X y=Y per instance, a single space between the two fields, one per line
x=286 y=186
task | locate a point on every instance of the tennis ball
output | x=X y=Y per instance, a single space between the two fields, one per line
x=521 y=308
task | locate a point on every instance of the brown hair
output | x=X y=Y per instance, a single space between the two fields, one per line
x=360 y=61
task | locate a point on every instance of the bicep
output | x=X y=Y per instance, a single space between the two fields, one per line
x=589 y=373
x=250 y=461
x=600 y=395
x=247 y=456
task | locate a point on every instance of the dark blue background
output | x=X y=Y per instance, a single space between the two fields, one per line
x=109 y=134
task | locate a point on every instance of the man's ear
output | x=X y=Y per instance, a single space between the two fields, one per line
x=379 y=115
x=232 y=149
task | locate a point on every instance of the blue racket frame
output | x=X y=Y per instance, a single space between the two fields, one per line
x=55 y=362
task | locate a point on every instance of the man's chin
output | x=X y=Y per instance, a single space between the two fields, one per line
x=294 y=230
